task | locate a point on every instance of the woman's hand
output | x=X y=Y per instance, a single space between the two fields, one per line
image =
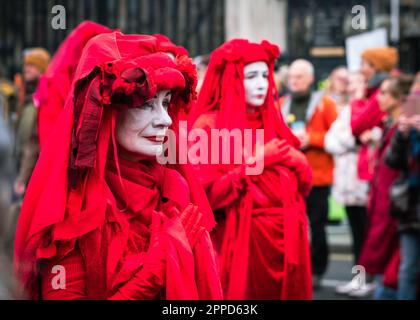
x=271 y=152
x=366 y=137
x=155 y=255
x=191 y=220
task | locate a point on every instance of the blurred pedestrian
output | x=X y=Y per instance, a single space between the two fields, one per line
x=380 y=249
x=8 y=99
x=280 y=78
x=348 y=189
x=35 y=62
x=404 y=156
x=337 y=86
x=310 y=115
x=26 y=148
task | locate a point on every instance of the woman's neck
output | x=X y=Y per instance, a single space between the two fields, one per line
x=132 y=156
x=251 y=109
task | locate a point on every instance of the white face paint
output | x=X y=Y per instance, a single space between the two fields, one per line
x=256 y=83
x=141 y=131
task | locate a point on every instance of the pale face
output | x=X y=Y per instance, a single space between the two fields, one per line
x=299 y=79
x=386 y=101
x=356 y=80
x=141 y=131
x=339 y=81
x=256 y=83
x=31 y=72
x=367 y=69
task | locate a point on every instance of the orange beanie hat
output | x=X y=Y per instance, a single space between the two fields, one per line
x=382 y=59
x=38 y=57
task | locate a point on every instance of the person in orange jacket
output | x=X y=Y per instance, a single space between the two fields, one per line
x=310 y=115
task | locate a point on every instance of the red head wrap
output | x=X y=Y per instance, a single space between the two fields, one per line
x=223 y=88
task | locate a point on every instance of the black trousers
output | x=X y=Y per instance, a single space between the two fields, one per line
x=357 y=220
x=317 y=210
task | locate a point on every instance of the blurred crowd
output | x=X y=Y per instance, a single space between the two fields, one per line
x=360 y=135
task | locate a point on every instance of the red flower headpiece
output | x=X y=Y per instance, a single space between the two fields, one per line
x=127 y=82
x=241 y=50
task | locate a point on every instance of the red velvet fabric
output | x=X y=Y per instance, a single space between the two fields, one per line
x=261 y=236
x=90 y=210
x=366 y=114
x=55 y=84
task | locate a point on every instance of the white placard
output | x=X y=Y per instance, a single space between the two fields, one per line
x=355 y=45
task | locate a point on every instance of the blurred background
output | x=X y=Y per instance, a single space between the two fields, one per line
x=312 y=29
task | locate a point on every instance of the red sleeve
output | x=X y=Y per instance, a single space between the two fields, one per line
x=71 y=270
x=145 y=285
x=226 y=189
x=296 y=161
x=365 y=114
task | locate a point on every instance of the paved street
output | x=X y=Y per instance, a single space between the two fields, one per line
x=340 y=264
x=5 y=271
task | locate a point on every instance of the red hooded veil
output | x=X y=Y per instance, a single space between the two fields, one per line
x=55 y=83
x=261 y=236
x=85 y=203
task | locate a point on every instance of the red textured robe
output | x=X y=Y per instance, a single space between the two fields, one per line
x=160 y=189
x=79 y=211
x=262 y=231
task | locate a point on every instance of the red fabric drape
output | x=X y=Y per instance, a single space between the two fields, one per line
x=261 y=237
x=74 y=198
x=55 y=83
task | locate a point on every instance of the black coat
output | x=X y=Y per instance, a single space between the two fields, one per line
x=400 y=156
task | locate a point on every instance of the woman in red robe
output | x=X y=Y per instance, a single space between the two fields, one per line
x=102 y=219
x=261 y=235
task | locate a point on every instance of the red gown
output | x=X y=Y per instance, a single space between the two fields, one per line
x=161 y=189
x=90 y=211
x=262 y=230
